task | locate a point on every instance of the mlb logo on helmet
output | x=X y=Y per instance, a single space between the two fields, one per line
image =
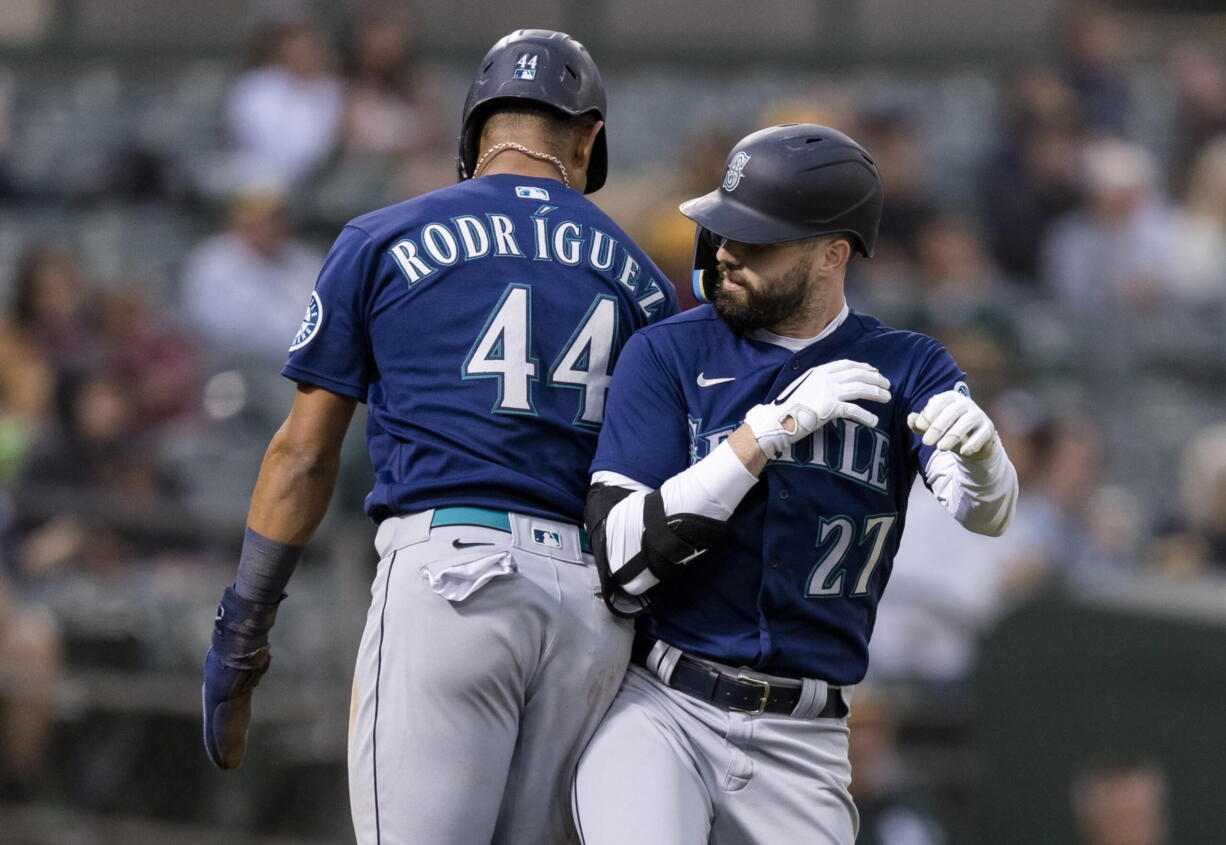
x=552 y=539
x=525 y=66
x=733 y=177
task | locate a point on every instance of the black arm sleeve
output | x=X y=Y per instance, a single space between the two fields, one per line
x=601 y=499
x=669 y=544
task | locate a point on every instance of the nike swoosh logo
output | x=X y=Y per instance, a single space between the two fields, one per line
x=707 y=382
x=783 y=397
x=460 y=544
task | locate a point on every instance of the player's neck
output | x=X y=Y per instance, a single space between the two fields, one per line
x=822 y=308
x=516 y=163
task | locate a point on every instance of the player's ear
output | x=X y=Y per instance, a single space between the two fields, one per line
x=834 y=254
x=585 y=141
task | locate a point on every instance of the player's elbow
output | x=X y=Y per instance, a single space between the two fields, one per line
x=995 y=528
x=993 y=520
x=301 y=458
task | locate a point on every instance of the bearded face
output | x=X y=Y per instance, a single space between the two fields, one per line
x=765 y=301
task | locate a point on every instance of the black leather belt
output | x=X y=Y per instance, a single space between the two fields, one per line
x=742 y=693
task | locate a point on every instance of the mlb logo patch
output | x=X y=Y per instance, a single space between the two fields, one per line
x=963 y=388
x=525 y=66
x=527 y=192
x=550 y=539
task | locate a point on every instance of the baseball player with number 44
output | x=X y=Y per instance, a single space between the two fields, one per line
x=480 y=324
x=749 y=492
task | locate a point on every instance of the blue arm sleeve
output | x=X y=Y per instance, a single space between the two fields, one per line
x=332 y=348
x=646 y=430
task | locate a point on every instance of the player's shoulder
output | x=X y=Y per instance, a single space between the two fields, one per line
x=876 y=333
x=392 y=220
x=684 y=329
x=700 y=320
x=498 y=193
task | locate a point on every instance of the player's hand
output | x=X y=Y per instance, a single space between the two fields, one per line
x=820 y=395
x=232 y=668
x=952 y=422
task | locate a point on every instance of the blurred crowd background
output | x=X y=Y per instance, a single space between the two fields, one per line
x=171 y=176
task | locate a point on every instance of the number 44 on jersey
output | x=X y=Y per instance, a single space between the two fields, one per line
x=502 y=351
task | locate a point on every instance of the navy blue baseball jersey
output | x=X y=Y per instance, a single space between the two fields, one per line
x=480 y=323
x=794 y=586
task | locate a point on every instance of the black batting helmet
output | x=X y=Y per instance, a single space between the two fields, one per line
x=544 y=67
x=787 y=183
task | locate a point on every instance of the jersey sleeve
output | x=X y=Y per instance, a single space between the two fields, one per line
x=937 y=373
x=332 y=348
x=645 y=435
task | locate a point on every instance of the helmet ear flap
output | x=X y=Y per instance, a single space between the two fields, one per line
x=706 y=266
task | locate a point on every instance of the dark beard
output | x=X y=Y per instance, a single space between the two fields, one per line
x=762 y=309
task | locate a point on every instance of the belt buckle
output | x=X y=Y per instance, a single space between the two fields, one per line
x=766 y=693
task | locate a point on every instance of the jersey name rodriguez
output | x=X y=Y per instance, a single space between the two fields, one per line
x=469 y=237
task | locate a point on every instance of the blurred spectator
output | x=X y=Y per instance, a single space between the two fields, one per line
x=390 y=104
x=892 y=137
x=893 y=809
x=283 y=113
x=46 y=329
x=953 y=291
x=92 y=494
x=1198 y=266
x=1112 y=258
x=244 y=289
x=26 y=381
x=394 y=143
x=958 y=280
x=30 y=661
x=160 y=363
x=1199 y=79
x=1091 y=43
x=1032 y=176
x=50 y=318
x=1065 y=520
x=1121 y=801
x=959 y=286
x=1195 y=542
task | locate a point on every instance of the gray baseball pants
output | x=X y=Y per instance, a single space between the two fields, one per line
x=665 y=768
x=486 y=663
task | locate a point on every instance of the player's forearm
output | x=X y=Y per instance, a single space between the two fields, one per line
x=293 y=490
x=981 y=493
x=745 y=446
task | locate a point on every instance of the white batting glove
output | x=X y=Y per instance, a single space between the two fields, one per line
x=952 y=422
x=820 y=395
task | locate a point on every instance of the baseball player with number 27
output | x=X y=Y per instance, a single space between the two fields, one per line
x=480 y=324
x=749 y=493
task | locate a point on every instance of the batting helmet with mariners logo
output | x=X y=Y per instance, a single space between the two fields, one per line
x=542 y=66
x=787 y=183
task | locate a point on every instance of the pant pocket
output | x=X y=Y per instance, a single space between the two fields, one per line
x=457 y=580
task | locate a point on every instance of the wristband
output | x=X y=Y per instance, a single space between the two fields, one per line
x=265 y=567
